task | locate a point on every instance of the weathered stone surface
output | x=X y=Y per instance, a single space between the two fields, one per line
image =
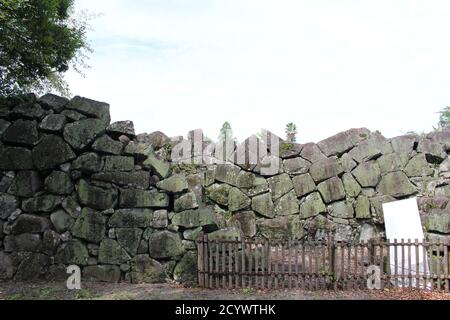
x=90 y=226
x=185 y=202
x=51 y=152
x=136 y=179
x=26 y=184
x=118 y=163
x=165 y=244
x=88 y=163
x=138 y=150
x=81 y=134
x=105 y=144
x=23 y=243
x=433 y=151
x=26 y=223
x=312 y=153
x=264 y=205
x=404 y=146
x=135 y=198
x=8 y=204
x=362 y=207
x=437 y=221
x=343 y=233
x=131 y=218
x=367 y=174
x=72 y=115
x=274 y=229
x=45 y=203
x=287 y=205
x=351 y=186
x=259 y=186
x=418 y=167
x=73 y=252
x=146 y=270
x=246 y=222
x=72 y=207
x=296 y=166
x=376 y=207
x=396 y=184
x=325 y=169
x=7 y=267
x=175 y=184
x=110 y=252
x=102 y=273
x=15 y=158
x=32 y=267
x=90 y=108
x=226 y=233
x=129 y=239
x=53 y=123
x=332 y=190
x=237 y=200
x=194 y=218
x=341 y=142
x=303 y=185
x=186 y=269
x=121 y=128
x=280 y=185
x=347 y=163
x=160 y=219
x=219 y=193
x=53 y=102
x=59 y=183
x=341 y=209
x=3 y=126
x=312 y=206
x=368 y=232
x=366 y=150
x=28 y=111
x=228 y=173
x=157 y=139
x=391 y=162
x=50 y=242
x=61 y=221
x=22 y=132
x=160 y=167
x=95 y=197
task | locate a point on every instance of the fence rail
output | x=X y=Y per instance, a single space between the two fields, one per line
x=316 y=265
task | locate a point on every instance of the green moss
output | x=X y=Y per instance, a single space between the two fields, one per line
x=363 y=135
x=185 y=168
x=287 y=146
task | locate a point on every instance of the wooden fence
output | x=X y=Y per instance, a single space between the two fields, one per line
x=318 y=265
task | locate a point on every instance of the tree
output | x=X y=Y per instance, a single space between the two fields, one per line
x=291 y=132
x=39 y=41
x=226 y=133
x=444 y=118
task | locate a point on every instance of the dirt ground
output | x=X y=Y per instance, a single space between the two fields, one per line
x=170 y=291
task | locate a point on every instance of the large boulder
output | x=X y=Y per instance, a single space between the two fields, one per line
x=332 y=190
x=146 y=270
x=159 y=167
x=53 y=123
x=219 y=193
x=45 y=203
x=287 y=205
x=90 y=226
x=102 y=273
x=59 y=183
x=264 y=205
x=81 y=134
x=110 y=252
x=54 y=102
x=87 y=163
x=227 y=173
x=194 y=218
x=396 y=184
x=165 y=244
x=105 y=144
x=73 y=252
x=134 y=179
x=22 y=132
x=8 y=204
x=296 y=166
x=15 y=158
x=391 y=162
x=61 y=221
x=129 y=239
x=7 y=267
x=341 y=209
x=351 y=186
x=280 y=185
x=26 y=184
x=362 y=207
x=186 y=269
x=325 y=169
x=185 y=202
x=131 y=218
x=26 y=242
x=404 y=146
x=312 y=206
x=135 y=198
x=367 y=174
x=303 y=185
x=96 y=197
x=437 y=221
x=176 y=183
x=342 y=142
x=246 y=222
x=312 y=153
x=237 y=200
x=32 y=267
x=418 y=167
x=51 y=152
x=121 y=128
x=118 y=163
x=26 y=223
x=90 y=108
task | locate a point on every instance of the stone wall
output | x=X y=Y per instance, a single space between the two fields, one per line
x=76 y=189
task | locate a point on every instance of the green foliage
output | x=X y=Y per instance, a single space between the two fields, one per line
x=444 y=117
x=286 y=146
x=188 y=168
x=226 y=133
x=291 y=132
x=39 y=41
x=84 y=294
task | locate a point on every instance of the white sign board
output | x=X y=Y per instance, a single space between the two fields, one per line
x=402 y=221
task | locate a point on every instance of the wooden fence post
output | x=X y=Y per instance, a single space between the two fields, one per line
x=200 y=265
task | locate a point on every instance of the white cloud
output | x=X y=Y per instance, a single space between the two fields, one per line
x=327 y=66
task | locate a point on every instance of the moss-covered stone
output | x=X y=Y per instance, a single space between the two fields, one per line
x=396 y=184
x=351 y=186
x=165 y=244
x=90 y=226
x=362 y=207
x=135 y=198
x=110 y=252
x=287 y=205
x=73 y=252
x=332 y=190
x=146 y=270
x=368 y=174
x=96 y=197
x=102 y=273
x=263 y=205
x=186 y=269
x=312 y=206
x=81 y=134
x=129 y=239
x=303 y=185
x=194 y=218
x=131 y=218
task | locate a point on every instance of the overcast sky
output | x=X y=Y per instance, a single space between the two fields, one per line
x=326 y=65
